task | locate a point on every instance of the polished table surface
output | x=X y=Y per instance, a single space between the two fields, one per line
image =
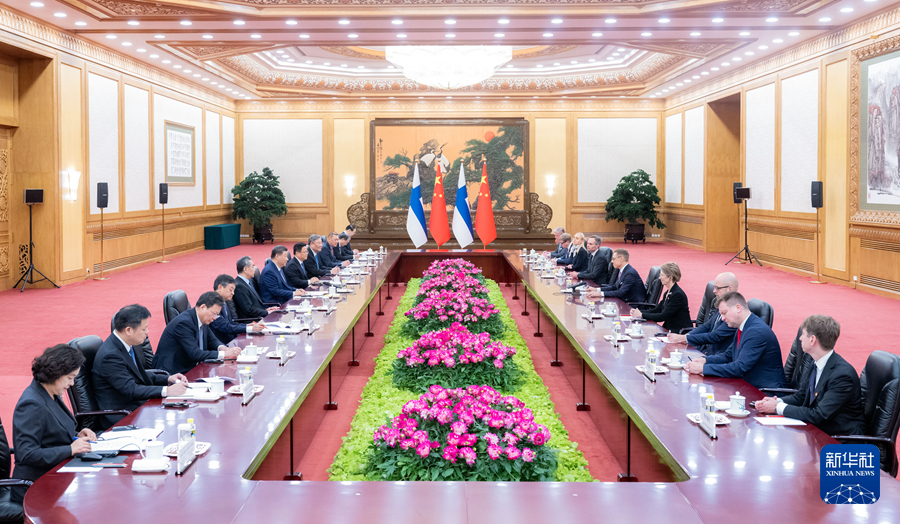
x=751 y=472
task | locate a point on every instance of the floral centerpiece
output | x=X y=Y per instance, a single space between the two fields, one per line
x=455 y=357
x=440 y=309
x=458 y=281
x=471 y=434
x=452 y=267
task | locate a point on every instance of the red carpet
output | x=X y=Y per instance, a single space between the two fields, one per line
x=86 y=307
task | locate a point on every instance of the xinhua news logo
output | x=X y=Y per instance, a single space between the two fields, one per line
x=850 y=474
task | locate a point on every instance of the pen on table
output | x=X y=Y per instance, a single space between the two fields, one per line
x=690 y=359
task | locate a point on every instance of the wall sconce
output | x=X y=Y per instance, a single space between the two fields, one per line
x=551 y=184
x=348 y=183
x=68 y=182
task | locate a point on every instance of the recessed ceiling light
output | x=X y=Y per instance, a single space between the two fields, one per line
x=679 y=84
x=664 y=20
x=304 y=36
x=360 y=67
x=154 y=56
x=228 y=89
x=591 y=60
x=672 y=88
x=824 y=19
x=160 y=37
x=238 y=22
x=80 y=23
x=535 y=96
x=196 y=75
x=126 y=44
x=556 y=21
x=615 y=54
x=397 y=22
x=556 y=63
x=870 y=0
x=499 y=35
x=208 y=37
x=449 y=97
x=390 y=67
x=726 y=64
x=255 y=36
x=695 y=77
x=503 y=21
x=352 y=36
x=695 y=33
x=509 y=65
x=597 y=34
x=111 y=37
x=718 y=20
x=133 y=22
x=343 y=22
x=778 y=41
x=574 y=62
x=687 y=80
x=401 y=35
x=665 y=90
x=610 y=58
x=450 y=35
x=185 y=22
x=222 y=86
x=713 y=68
x=744 y=33
x=763 y=47
x=309 y=61
x=327 y=63
x=539 y=65
x=167 y=61
x=186 y=71
x=59 y=15
x=749 y=53
x=290 y=22
x=205 y=79
x=141 y=50
x=620 y=49
x=652 y=96
x=793 y=33
x=36 y=4
x=610 y=20
x=548 y=35
x=736 y=59
x=646 y=34
x=176 y=66
x=705 y=73
x=771 y=20
x=450 y=21
x=213 y=83
x=343 y=65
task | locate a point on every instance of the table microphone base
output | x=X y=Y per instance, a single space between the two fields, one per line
x=294 y=475
x=626 y=477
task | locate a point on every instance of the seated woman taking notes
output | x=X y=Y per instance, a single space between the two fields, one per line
x=43 y=427
x=673 y=311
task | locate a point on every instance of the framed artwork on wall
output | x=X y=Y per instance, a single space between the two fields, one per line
x=180 y=168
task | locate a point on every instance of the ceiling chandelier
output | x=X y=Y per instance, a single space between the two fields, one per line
x=448 y=67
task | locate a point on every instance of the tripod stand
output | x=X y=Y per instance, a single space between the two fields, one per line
x=28 y=277
x=745 y=255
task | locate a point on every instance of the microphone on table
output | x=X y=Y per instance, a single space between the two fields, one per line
x=578 y=285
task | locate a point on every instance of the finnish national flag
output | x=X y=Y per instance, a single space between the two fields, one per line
x=415 y=219
x=462 y=218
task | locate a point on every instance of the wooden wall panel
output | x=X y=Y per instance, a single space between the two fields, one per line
x=789 y=252
x=723 y=168
x=350 y=146
x=550 y=160
x=71 y=158
x=684 y=227
x=835 y=244
x=9 y=91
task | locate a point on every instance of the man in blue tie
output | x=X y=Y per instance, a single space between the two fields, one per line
x=713 y=336
x=295 y=270
x=187 y=340
x=225 y=327
x=314 y=265
x=273 y=286
x=628 y=286
x=119 y=378
x=754 y=353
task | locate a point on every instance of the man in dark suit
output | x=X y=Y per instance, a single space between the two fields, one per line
x=273 y=286
x=295 y=271
x=314 y=265
x=345 y=248
x=119 y=378
x=225 y=327
x=187 y=340
x=831 y=399
x=754 y=355
x=628 y=285
x=565 y=249
x=560 y=250
x=595 y=267
x=329 y=254
x=714 y=335
x=343 y=254
x=247 y=302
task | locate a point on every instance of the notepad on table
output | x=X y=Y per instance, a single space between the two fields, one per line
x=779 y=421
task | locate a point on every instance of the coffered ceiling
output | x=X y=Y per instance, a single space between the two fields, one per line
x=318 y=49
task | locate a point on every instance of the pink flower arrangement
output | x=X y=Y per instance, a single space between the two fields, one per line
x=455 y=345
x=452 y=281
x=476 y=426
x=451 y=266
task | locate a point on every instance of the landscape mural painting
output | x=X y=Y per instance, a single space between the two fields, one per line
x=451 y=144
x=881 y=107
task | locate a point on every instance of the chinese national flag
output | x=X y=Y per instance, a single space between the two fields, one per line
x=484 y=217
x=440 y=228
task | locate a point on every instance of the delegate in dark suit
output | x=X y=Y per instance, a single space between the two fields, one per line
x=342 y=256
x=327 y=258
x=347 y=252
x=713 y=336
x=295 y=273
x=835 y=406
x=596 y=269
x=120 y=382
x=578 y=260
x=273 y=287
x=313 y=265
x=559 y=252
x=672 y=311
x=43 y=428
x=629 y=287
x=247 y=302
x=224 y=327
x=185 y=343
x=757 y=359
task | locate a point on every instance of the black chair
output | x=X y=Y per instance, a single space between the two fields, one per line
x=175 y=303
x=796 y=366
x=81 y=394
x=706 y=307
x=613 y=274
x=654 y=290
x=256 y=278
x=9 y=511
x=143 y=352
x=762 y=309
x=880 y=383
x=606 y=253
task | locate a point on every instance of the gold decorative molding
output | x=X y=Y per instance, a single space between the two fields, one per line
x=4 y=260
x=69 y=43
x=819 y=46
x=4 y=185
x=449 y=106
x=142 y=9
x=857 y=215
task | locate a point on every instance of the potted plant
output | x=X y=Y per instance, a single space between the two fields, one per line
x=634 y=199
x=257 y=198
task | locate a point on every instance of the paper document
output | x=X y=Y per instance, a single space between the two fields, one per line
x=779 y=421
x=128 y=440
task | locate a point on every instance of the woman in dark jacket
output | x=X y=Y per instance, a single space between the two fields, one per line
x=43 y=427
x=673 y=311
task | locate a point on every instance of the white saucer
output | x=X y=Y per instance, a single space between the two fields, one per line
x=150 y=466
x=244 y=359
x=675 y=366
x=735 y=413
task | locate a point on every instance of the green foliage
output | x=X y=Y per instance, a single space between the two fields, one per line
x=634 y=198
x=420 y=378
x=258 y=198
x=381 y=400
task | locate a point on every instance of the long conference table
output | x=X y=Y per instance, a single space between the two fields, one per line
x=751 y=473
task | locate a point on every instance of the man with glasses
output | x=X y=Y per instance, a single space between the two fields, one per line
x=187 y=340
x=714 y=335
x=226 y=327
